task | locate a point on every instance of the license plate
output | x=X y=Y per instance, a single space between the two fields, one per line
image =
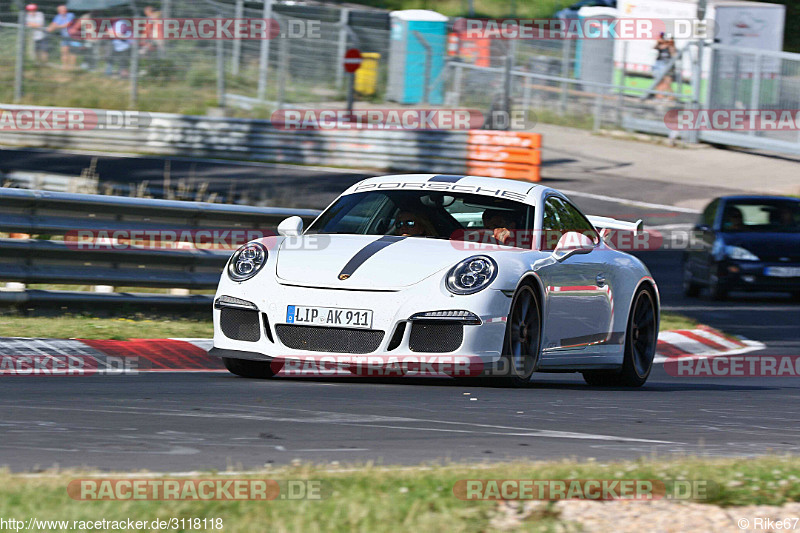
x=329 y=316
x=782 y=272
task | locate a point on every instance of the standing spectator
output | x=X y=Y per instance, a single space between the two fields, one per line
x=155 y=39
x=35 y=19
x=120 y=50
x=665 y=48
x=61 y=22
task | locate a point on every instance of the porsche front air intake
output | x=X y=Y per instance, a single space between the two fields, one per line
x=240 y=324
x=335 y=340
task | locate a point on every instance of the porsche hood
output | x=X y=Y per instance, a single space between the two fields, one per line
x=364 y=261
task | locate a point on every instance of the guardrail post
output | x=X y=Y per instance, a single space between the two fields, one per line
x=263 y=60
x=20 y=64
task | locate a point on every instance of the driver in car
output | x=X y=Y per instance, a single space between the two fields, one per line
x=410 y=224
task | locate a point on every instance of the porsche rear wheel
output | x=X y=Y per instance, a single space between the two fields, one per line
x=641 y=339
x=522 y=342
x=248 y=369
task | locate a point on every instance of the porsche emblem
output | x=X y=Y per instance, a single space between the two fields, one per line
x=344 y=276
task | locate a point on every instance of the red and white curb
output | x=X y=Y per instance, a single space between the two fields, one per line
x=20 y=355
x=701 y=342
x=25 y=356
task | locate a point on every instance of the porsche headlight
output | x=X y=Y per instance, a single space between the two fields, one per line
x=472 y=275
x=740 y=254
x=247 y=261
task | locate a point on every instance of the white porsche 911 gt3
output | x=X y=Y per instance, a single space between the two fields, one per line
x=506 y=275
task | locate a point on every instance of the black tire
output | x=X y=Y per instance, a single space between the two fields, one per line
x=716 y=289
x=641 y=337
x=690 y=287
x=523 y=340
x=248 y=369
x=796 y=296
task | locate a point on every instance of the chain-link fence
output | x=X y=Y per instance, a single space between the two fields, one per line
x=304 y=64
x=573 y=82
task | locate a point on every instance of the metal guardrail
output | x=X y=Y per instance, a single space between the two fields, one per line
x=57 y=261
x=258 y=140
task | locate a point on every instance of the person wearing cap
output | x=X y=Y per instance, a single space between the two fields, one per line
x=35 y=19
x=61 y=22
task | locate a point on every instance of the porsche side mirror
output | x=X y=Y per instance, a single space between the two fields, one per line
x=291 y=227
x=572 y=243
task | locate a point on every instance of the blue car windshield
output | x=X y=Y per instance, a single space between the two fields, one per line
x=781 y=216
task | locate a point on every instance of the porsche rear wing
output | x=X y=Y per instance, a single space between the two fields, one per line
x=603 y=223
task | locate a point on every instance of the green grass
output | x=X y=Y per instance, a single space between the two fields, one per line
x=87 y=327
x=368 y=498
x=486 y=8
x=155 y=327
x=672 y=321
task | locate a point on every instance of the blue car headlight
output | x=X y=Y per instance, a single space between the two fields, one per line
x=247 y=261
x=471 y=275
x=738 y=253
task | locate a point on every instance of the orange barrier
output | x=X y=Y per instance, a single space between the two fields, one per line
x=504 y=154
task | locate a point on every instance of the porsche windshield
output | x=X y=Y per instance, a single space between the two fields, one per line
x=424 y=214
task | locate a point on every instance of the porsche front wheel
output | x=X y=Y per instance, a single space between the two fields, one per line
x=522 y=342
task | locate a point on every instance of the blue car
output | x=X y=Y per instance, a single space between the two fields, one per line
x=748 y=243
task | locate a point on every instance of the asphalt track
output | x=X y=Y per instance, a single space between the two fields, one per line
x=183 y=422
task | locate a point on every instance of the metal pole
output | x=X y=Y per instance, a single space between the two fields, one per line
x=457 y=82
x=344 y=18
x=263 y=62
x=622 y=79
x=134 y=74
x=755 y=93
x=565 y=54
x=166 y=12
x=20 y=65
x=282 y=75
x=237 y=43
x=220 y=73
x=428 y=60
x=509 y=64
x=350 y=95
x=694 y=136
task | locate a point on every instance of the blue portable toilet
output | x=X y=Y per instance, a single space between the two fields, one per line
x=408 y=55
